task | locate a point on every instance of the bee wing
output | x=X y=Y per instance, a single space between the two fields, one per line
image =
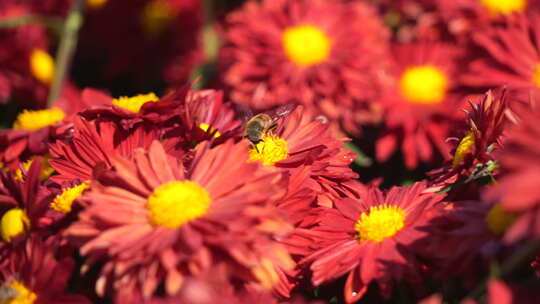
x=243 y=111
x=283 y=110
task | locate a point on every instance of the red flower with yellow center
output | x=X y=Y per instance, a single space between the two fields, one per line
x=23 y=205
x=37 y=273
x=481 y=139
x=465 y=237
x=506 y=65
x=420 y=102
x=204 y=116
x=129 y=111
x=305 y=148
x=317 y=164
x=369 y=239
x=162 y=222
x=33 y=130
x=192 y=117
x=467 y=18
x=26 y=66
x=301 y=51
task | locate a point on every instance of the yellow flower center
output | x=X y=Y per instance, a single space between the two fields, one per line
x=46 y=169
x=306 y=45
x=379 y=223
x=63 y=201
x=95 y=4
x=504 y=7
x=498 y=220
x=31 y=120
x=465 y=147
x=175 y=203
x=134 y=103
x=423 y=84
x=13 y=223
x=14 y=292
x=269 y=150
x=42 y=66
x=207 y=128
x=156 y=16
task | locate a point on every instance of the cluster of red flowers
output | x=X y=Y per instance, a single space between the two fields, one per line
x=242 y=186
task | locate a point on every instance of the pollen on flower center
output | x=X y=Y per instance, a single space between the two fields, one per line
x=465 y=147
x=42 y=66
x=269 y=150
x=424 y=84
x=134 y=103
x=504 y=7
x=46 y=169
x=379 y=223
x=306 y=45
x=207 y=128
x=63 y=201
x=15 y=292
x=498 y=220
x=13 y=223
x=177 y=202
x=30 y=120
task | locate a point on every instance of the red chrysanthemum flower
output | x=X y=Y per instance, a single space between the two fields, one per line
x=37 y=273
x=204 y=116
x=196 y=117
x=472 y=16
x=505 y=64
x=156 y=222
x=464 y=238
x=26 y=67
x=306 y=149
x=370 y=239
x=161 y=36
x=95 y=143
x=317 y=166
x=421 y=102
x=33 y=130
x=23 y=205
x=473 y=154
x=518 y=189
x=130 y=111
x=326 y=55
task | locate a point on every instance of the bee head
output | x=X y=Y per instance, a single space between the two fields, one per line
x=254 y=136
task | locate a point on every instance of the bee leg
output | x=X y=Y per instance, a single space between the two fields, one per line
x=272 y=128
x=255 y=146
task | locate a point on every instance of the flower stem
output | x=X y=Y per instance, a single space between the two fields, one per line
x=54 y=23
x=66 y=48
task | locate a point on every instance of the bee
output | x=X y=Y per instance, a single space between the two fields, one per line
x=265 y=124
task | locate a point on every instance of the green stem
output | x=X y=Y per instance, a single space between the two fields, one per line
x=66 y=48
x=361 y=159
x=209 y=36
x=54 y=23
